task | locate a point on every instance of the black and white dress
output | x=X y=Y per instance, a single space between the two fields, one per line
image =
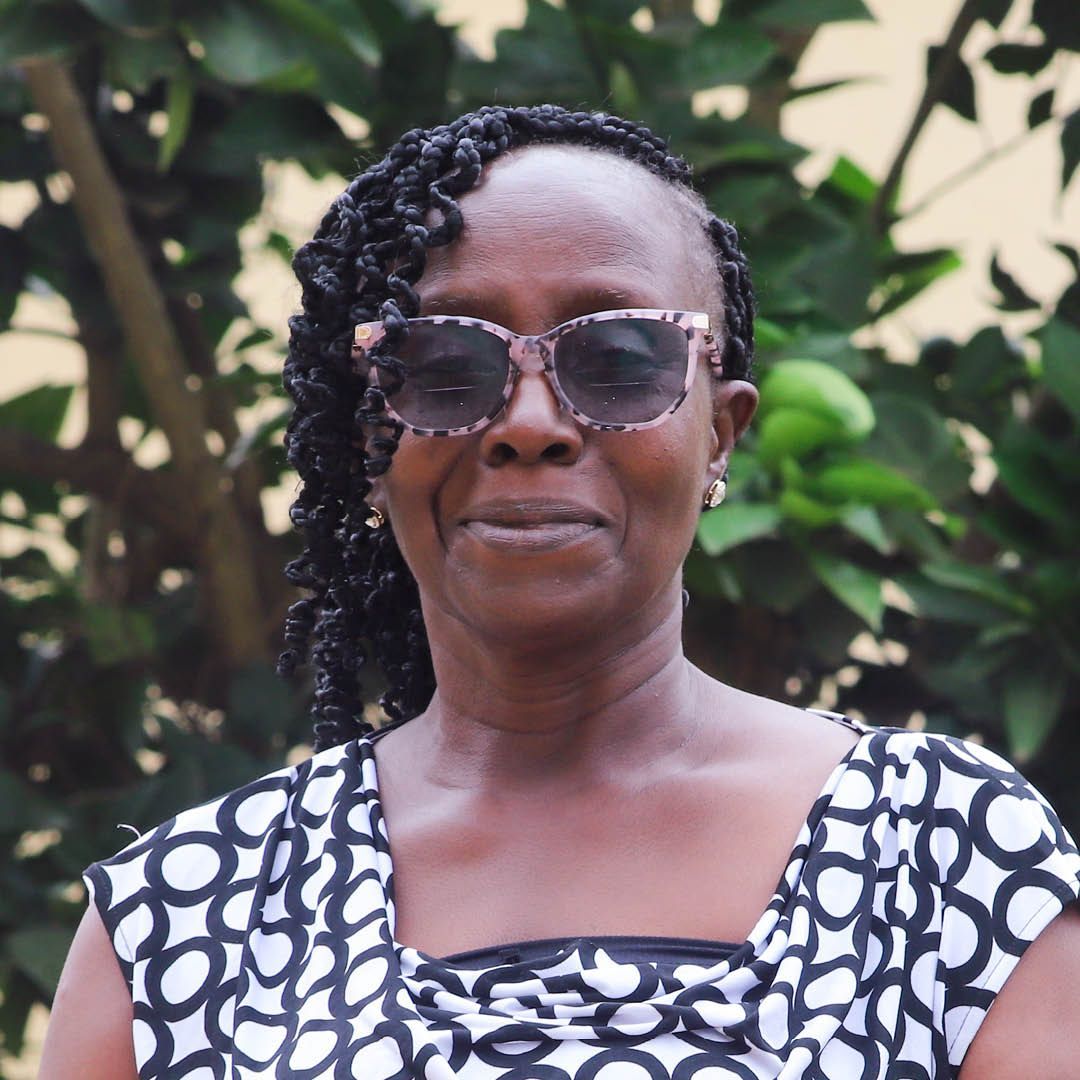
x=257 y=935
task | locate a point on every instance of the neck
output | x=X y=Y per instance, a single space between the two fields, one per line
x=567 y=711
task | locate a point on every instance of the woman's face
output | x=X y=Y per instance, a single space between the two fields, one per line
x=536 y=530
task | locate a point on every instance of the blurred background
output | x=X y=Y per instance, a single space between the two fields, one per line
x=900 y=539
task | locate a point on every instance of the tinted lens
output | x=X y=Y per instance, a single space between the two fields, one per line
x=454 y=375
x=622 y=371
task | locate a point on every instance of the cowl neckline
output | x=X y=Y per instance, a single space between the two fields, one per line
x=579 y=991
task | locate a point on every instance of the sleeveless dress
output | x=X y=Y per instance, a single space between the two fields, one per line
x=257 y=935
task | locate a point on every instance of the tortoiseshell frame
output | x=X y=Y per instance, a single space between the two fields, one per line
x=533 y=354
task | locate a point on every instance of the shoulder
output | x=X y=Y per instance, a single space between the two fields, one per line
x=220 y=851
x=972 y=853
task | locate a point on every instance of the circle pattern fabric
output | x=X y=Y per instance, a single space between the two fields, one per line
x=257 y=935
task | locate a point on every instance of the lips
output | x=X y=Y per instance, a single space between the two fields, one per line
x=531 y=524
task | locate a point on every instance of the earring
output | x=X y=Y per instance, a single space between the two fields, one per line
x=715 y=495
x=375 y=519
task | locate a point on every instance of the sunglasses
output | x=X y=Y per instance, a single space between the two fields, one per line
x=613 y=371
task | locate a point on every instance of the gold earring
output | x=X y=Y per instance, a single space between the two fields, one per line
x=715 y=495
x=375 y=519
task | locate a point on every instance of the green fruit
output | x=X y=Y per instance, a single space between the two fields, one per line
x=821 y=390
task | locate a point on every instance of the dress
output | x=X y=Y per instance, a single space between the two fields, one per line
x=256 y=933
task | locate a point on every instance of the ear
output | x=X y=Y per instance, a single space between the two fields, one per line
x=734 y=404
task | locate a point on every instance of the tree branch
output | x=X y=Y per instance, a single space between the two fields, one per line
x=152 y=343
x=155 y=497
x=935 y=87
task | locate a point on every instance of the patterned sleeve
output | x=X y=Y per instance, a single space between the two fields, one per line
x=155 y=891
x=1007 y=868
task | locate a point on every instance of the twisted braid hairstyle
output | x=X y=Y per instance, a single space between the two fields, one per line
x=364 y=262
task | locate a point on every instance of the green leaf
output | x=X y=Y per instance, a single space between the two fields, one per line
x=723 y=54
x=983 y=581
x=819 y=389
x=178 y=102
x=39 y=952
x=906 y=275
x=1061 y=362
x=34 y=31
x=1032 y=699
x=332 y=22
x=1013 y=297
x=1058 y=22
x=855 y=587
x=849 y=179
x=14 y=263
x=244 y=44
x=865 y=523
x=117 y=634
x=1070 y=147
x=135 y=63
x=807 y=511
x=959 y=91
x=799 y=14
x=734 y=524
x=861 y=480
x=1041 y=108
x=129 y=14
x=40 y=411
x=794 y=433
x=1009 y=58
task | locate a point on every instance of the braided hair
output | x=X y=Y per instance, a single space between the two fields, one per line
x=367 y=255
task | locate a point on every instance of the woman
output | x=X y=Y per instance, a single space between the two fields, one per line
x=562 y=859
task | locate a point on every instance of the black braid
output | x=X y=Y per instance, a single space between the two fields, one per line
x=364 y=262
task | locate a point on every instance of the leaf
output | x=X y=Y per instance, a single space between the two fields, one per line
x=906 y=275
x=1058 y=22
x=734 y=524
x=994 y=11
x=1010 y=58
x=819 y=389
x=242 y=44
x=1013 y=297
x=798 y=14
x=1061 y=362
x=1041 y=108
x=135 y=63
x=39 y=953
x=794 y=433
x=178 y=102
x=332 y=22
x=1070 y=147
x=129 y=14
x=43 y=31
x=983 y=581
x=1032 y=699
x=117 y=634
x=865 y=523
x=14 y=262
x=959 y=91
x=807 y=511
x=852 y=181
x=726 y=53
x=855 y=587
x=40 y=411
x=1071 y=254
x=865 y=481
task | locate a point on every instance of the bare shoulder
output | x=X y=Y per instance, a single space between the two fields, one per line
x=89 y=1032
x=1031 y=1028
x=789 y=738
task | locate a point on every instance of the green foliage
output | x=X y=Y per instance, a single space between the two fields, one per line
x=929 y=504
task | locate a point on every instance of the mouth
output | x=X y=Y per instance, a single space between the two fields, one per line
x=531 y=525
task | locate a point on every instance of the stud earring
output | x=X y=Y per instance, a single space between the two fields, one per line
x=715 y=495
x=375 y=519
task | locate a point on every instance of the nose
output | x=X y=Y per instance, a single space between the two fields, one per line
x=534 y=427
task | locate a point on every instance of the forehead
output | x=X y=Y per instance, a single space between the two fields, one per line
x=560 y=217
